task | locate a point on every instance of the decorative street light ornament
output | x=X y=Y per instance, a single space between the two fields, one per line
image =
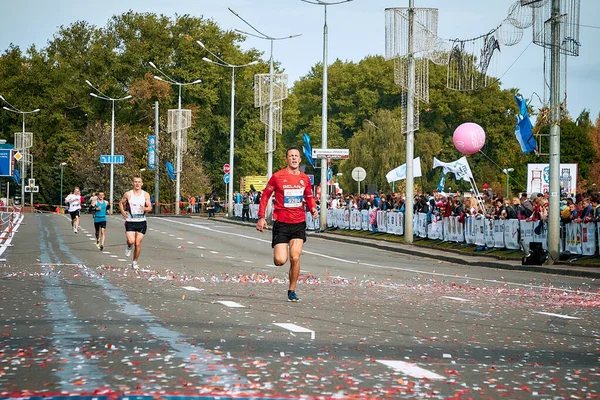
x=262 y=88
x=173 y=126
x=23 y=140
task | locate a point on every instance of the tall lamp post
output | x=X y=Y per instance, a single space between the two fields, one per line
x=507 y=171
x=225 y=64
x=15 y=110
x=263 y=36
x=103 y=96
x=171 y=81
x=324 y=166
x=61 y=165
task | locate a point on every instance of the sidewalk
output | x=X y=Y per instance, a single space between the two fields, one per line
x=448 y=255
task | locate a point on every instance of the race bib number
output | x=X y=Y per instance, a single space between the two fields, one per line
x=292 y=198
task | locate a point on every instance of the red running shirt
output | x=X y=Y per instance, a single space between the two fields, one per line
x=290 y=191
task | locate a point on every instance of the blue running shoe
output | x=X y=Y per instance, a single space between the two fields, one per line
x=292 y=296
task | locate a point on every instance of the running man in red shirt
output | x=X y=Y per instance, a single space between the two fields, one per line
x=291 y=188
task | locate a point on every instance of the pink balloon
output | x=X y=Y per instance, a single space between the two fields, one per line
x=469 y=138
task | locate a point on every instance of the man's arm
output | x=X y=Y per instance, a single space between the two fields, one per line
x=122 y=204
x=264 y=200
x=148 y=203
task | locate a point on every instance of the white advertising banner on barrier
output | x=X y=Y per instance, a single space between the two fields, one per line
x=381 y=220
x=421 y=230
x=573 y=239
x=436 y=230
x=470 y=230
x=498 y=227
x=364 y=220
x=511 y=234
x=588 y=239
x=538 y=178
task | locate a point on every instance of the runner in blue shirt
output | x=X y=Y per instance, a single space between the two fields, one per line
x=100 y=220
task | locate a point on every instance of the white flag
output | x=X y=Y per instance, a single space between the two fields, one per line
x=460 y=168
x=400 y=172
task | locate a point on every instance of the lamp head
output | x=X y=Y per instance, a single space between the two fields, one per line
x=201 y=44
x=152 y=64
x=253 y=62
x=36 y=110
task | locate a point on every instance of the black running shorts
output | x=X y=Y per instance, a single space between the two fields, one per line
x=99 y=225
x=136 y=227
x=283 y=233
x=74 y=214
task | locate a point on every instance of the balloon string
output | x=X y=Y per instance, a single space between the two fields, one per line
x=502 y=169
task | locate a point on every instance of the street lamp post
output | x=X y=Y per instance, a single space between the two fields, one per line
x=263 y=36
x=171 y=81
x=324 y=166
x=102 y=96
x=507 y=171
x=15 y=110
x=225 y=64
x=62 y=164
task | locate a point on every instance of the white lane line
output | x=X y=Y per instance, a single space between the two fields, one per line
x=556 y=315
x=170 y=234
x=192 y=289
x=270 y=265
x=92 y=238
x=248 y=261
x=190 y=242
x=214 y=252
x=410 y=369
x=121 y=259
x=296 y=328
x=231 y=304
x=106 y=252
x=455 y=298
x=200 y=247
x=114 y=256
x=179 y=238
x=229 y=257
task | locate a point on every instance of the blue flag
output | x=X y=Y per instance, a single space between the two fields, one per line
x=442 y=183
x=16 y=176
x=307 y=148
x=523 y=130
x=170 y=170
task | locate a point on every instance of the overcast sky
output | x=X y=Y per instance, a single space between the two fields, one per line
x=356 y=29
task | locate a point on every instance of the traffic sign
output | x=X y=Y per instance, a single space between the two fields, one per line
x=226 y=178
x=331 y=153
x=107 y=159
x=359 y=174
x=226 y=168
x=18 y=156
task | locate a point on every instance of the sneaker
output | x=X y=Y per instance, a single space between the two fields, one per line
x=101 y=247
x=135 y=265
x=292 y=296
x=128 y=251
x=75 y=230
x=98 y=244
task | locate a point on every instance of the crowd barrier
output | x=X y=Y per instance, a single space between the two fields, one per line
x=576 y=238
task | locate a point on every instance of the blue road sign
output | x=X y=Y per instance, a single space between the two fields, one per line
x=226 y=178
x=106 y=159
x=6 y=162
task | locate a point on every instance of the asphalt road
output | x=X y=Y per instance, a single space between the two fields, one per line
x=208 y=315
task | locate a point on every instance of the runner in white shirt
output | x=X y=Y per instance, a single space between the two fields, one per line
x=134 y=205
x=74 y=200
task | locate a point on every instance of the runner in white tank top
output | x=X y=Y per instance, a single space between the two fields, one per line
x=134 y=205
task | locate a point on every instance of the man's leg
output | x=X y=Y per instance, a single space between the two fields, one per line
x=130 y=238
x=280 y=254
x=102 y=236
x=138 y=245
x=295 y=252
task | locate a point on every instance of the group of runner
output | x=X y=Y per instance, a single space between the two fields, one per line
x=290 y=186
x=133 y=206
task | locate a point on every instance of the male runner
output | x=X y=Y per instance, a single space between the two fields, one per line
x=134 y=205
x=100 y=220
x=74 y=200
x=291 y=187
